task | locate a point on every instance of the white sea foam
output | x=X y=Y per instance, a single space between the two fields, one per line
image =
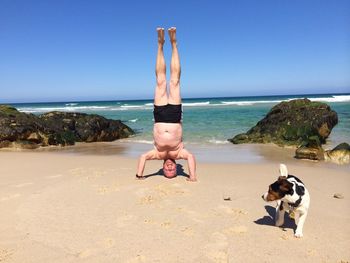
x=74 y=107
x=138 y=141
x=214 y=141
x=335 y=98
x=70 y=109
x=193 y=104
x=134 y=120
x=249 y=102
x=135 y=106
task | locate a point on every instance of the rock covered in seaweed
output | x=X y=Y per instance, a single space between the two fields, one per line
x=292 y=123
x=29 y=131
x=339 y=154
x=310 y=149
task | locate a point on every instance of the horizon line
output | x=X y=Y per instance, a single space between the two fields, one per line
x=185 y=98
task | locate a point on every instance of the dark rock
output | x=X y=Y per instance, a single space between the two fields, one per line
x=56 y=128
x=292 y=123
x=338 y=196
x=339 y=154
x=310 y=149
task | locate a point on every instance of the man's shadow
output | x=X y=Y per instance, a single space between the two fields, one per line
x=179 y=172
x=270 y=219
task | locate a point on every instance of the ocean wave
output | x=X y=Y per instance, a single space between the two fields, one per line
x=192 y=104
x=75 y=107
x=249 y=103
x=335 y=98
x=134 y=120
x=70 y=109
x=138 y=141
x=135 y=106
x=214 y=141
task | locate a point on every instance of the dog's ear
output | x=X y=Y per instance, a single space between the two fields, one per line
x=286 y=186
x=283 y=170
x=281 y=178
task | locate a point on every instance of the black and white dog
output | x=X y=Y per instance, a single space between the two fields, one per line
x=291 y=195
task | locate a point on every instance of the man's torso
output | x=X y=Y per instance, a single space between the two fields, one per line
x=168 y=139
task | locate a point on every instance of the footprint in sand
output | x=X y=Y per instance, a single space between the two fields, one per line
x=166 y=224
x=159 y=193
x=187 y=231
x=114 y=187
x=100 y=246
x=235 y=230
x=216 y=249
x=5 y=255
x=236 y=211
x=85 y=253
x=108 y=243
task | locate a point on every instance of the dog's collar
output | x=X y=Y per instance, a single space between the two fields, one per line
x=296 y=204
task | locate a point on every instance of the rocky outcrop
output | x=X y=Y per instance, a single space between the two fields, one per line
x=56 y=128
x=310 y=149
x=292 y=123
x=340 y=154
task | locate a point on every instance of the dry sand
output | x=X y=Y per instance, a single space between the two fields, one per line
x=89 y=208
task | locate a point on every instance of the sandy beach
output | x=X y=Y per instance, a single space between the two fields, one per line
x=86 y=206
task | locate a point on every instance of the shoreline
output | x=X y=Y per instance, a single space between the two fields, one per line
x=204 y=153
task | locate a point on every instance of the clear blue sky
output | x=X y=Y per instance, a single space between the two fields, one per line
x=105 y=50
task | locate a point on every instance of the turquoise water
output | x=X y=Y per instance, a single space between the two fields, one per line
x=205 y=120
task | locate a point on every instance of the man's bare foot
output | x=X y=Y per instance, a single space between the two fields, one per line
x=191 y=179
x=160 y=31
x=172 y=34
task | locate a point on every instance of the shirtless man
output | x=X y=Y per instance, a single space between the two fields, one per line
x=167 y=130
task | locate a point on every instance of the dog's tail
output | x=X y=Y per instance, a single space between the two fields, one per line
x=283 y=170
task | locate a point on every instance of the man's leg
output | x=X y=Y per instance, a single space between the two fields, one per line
x=175 y=70
x=160 y=96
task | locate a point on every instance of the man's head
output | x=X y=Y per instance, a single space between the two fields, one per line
x=169 y=168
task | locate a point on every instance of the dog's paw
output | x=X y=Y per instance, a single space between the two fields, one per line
x=298 y=235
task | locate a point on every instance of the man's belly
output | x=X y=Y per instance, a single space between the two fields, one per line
x=167 y=136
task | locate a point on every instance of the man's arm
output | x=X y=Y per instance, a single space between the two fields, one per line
x=150 y=155
x=191 y=160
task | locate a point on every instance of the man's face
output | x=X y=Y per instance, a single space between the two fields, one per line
x=169 y=168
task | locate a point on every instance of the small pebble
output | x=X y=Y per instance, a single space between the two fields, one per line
x=227 y=198
x=338 y=195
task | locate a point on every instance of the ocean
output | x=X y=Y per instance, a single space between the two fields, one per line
x=206 y=121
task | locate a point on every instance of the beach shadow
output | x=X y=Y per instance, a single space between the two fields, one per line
x=270 y=219
x=179 y=171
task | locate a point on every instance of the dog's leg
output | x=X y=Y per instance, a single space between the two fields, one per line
x=300 y=217
x=280 y=213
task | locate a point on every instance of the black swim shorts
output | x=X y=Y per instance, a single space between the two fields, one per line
x=169 y=113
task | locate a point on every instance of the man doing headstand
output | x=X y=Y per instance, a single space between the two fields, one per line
x=167 y=130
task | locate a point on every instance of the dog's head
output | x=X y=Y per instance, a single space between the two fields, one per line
x=280 y=188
